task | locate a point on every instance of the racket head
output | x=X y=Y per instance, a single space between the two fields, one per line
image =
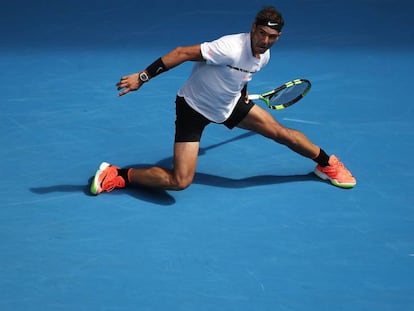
x=287 y=94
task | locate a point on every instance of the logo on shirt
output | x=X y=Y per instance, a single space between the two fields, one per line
x=240 y=69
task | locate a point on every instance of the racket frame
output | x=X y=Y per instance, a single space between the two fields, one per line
x=266 y=97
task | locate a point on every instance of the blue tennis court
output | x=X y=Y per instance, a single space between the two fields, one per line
x=256 y=230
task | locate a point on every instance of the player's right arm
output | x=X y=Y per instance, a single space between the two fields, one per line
x=182 y=54
x=170 y=60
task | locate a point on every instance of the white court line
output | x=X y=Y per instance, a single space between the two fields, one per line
x=35 y=201
x=302 y=121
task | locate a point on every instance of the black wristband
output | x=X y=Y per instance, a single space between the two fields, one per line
x=156 y=68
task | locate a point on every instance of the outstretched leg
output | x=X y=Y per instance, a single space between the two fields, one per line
x=328 y=168
x=262 y=122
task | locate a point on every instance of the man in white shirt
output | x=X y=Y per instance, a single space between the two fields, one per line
x=216 y=92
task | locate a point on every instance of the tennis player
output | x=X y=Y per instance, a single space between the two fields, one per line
x=216 y=92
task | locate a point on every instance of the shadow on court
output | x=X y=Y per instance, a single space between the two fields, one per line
x=162 y=197
x=156 y=196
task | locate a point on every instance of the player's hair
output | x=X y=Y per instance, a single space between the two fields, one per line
x=269 y=13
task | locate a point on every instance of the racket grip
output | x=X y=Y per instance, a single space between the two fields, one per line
x=253 y=96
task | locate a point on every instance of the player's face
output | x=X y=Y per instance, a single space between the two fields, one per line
x=262 y=38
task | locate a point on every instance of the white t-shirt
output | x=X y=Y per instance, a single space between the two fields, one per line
x=214 y=86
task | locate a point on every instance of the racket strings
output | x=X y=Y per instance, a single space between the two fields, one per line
x=288 y=94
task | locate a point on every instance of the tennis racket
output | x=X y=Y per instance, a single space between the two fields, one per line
x=285 y=95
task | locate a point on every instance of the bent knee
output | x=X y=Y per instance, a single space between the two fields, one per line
x=181 y=183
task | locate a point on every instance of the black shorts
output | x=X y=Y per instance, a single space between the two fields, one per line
x=189 y=124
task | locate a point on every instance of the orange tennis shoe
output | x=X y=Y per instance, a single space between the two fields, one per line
x=106 y=179
x=336 y=173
